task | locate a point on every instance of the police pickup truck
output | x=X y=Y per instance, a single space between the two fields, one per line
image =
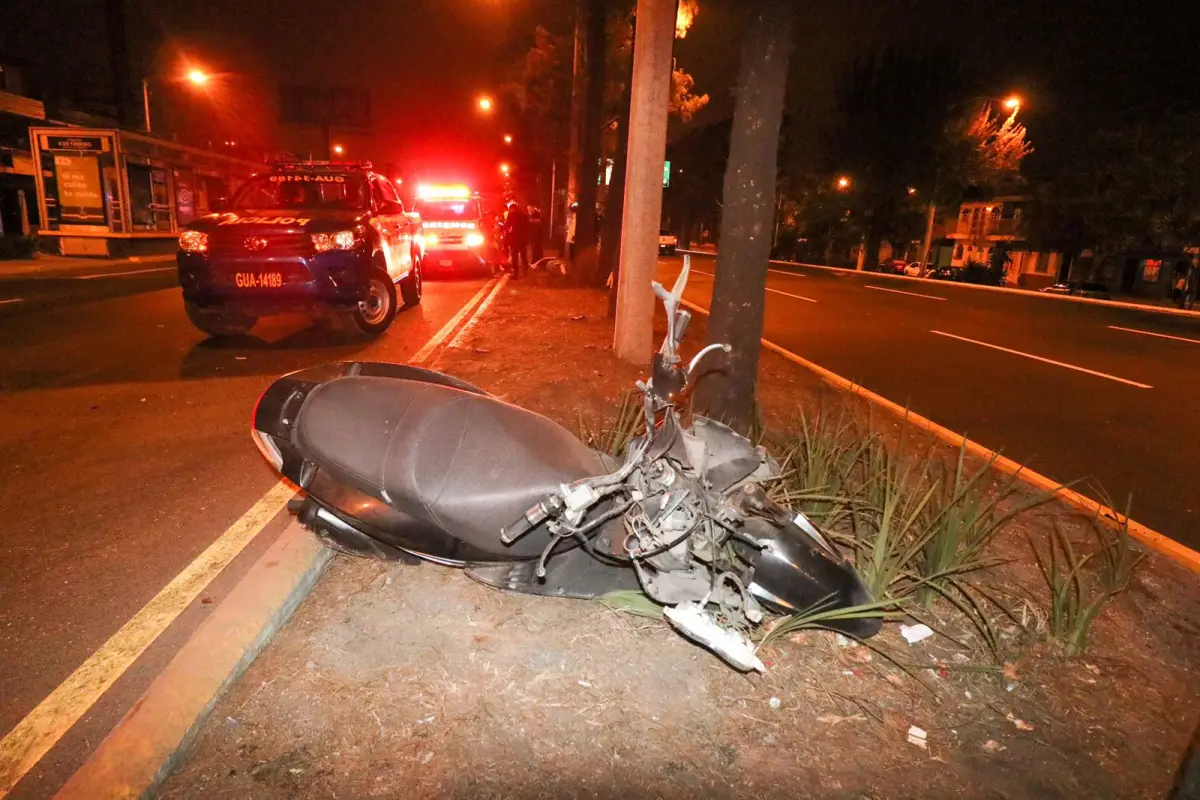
x=313 y=236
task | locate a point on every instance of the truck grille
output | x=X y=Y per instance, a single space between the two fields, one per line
x=243 y=246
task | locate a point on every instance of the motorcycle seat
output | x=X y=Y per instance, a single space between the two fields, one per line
x=465 y=463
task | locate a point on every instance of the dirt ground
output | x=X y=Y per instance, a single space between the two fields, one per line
x=415 y=682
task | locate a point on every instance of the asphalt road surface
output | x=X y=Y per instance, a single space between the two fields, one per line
x=1074 y=390
x=124 y=453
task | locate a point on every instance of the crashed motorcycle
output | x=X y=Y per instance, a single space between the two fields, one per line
x=402 y=463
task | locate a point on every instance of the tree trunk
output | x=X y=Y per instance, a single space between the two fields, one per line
x=870 y=260
x=585 y=255
x=748 y=201
x=614 y=211
x=927 y=242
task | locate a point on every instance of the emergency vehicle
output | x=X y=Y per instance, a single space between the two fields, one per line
x=456 y=236
x=319 y=237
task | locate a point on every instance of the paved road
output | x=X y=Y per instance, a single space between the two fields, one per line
x=124 y=452
x=1114 y=399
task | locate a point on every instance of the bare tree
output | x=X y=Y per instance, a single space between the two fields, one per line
x=749 y=202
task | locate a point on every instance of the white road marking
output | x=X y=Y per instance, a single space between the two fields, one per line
x=460 y=337
x=1046 y=360
x=1152 y=333
x=40 y=730
x=14 y=300
x=119 y=274
x=901 y=291
x=769 y=289
x=789 y=294
x=785 y=272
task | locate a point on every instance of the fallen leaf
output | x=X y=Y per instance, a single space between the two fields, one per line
x=1009 y=670
x=895 y=680
x=1021 y=724
x=992 y=746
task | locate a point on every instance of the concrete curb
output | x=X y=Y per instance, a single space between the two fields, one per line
x=1147 y=536
x=148 y=744
x=1178 y=312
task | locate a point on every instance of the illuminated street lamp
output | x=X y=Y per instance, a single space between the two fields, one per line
x=508 y=138
x=505 y=169
x=196 y=77
x=485 y=104
x=338 y=150
x=1013 y=103
x=843 y=183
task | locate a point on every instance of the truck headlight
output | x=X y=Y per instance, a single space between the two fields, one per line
x=193 y=242
x=339 y=240
x=431 y=240
x=474 y=239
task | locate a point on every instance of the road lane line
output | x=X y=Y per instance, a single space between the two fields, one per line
x=1148 y=536
x=442 y=335
x=458 y=339
x=1152 y=333
x=769 y=289
x=14 y=300
x=40 y=730
x=901 y=291
x=789 y=294
x=119 y=274
x=786 y=272
x=1046 y=360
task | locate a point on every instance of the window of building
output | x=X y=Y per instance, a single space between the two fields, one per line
x=149 y=200
x=958 y=251
x=965 y=215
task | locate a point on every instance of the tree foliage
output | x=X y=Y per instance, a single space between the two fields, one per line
x=908 y=132
x=1130 y=188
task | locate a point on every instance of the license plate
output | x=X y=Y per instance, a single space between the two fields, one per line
x=446 y=262
x=258 y=280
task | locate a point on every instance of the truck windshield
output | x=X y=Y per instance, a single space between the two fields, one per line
x=448 y=210
x=278 y=192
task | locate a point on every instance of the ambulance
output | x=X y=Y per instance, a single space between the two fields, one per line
x=455 y=235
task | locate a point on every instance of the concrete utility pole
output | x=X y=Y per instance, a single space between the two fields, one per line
x=652 y=50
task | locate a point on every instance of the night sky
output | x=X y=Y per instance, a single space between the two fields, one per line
x=1075 y=63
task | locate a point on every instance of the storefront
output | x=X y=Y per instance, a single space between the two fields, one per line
x=112 y=192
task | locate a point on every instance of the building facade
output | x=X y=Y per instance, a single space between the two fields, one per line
x=996 y=229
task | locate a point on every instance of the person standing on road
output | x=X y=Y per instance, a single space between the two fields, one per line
x=516 y=233
x=535 y=235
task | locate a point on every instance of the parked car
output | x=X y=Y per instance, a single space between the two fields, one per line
x=944 y=273
x=667 y=242
x=1089 y=289
x=913 y=269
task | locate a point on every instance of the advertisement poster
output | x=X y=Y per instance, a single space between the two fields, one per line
x=80 y=197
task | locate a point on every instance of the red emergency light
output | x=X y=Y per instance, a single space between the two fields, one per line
x=451 y=191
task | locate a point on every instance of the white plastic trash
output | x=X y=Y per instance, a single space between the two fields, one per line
x=915 y=633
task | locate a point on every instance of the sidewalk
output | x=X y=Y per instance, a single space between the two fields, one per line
x=48 y=266
x=396 y=681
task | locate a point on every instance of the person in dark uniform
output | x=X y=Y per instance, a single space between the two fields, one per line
x=535 y=234
x=516 y=234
